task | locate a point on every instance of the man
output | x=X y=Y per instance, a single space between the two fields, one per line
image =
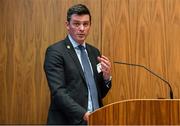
x=78 y=76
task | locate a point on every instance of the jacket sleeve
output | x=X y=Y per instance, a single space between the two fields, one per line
x=104 y=86
x=54 y=70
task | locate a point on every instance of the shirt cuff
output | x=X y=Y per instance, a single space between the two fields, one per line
x=107 y=82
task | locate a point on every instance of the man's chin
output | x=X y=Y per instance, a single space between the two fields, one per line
x=81 y=39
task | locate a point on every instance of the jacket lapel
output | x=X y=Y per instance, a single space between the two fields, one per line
x=72 y=53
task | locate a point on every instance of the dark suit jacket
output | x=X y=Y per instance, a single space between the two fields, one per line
x=69 y=92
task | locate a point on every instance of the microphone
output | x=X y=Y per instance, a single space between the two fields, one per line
x=138 y=65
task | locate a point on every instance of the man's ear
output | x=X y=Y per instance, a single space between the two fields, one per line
x=67 y=25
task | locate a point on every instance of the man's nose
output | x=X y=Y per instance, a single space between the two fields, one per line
x=81 y=27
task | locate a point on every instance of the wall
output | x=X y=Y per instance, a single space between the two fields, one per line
x=135 y=31
x=144 y=32
x=27 y=28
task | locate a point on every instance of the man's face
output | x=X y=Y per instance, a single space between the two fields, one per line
x=78 y=27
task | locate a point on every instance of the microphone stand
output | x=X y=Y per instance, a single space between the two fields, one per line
x=138 y=65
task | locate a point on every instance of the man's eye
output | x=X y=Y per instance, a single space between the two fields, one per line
x=86 y=24
x=76 y=24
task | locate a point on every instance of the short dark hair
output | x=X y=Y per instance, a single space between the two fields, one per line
x=78 y=9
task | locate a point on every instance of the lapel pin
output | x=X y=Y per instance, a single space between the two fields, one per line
x=68 y=47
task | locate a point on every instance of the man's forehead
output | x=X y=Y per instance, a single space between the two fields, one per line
x=83 y=17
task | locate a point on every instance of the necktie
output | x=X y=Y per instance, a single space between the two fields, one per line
x=89 y=77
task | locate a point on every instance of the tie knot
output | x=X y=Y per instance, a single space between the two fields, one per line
x=81 y=47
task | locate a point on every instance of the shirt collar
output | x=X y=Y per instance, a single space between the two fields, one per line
x=74 y=43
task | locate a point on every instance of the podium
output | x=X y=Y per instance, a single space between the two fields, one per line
x=138 y=112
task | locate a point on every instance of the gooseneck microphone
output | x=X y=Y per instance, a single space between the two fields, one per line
x=138 y=65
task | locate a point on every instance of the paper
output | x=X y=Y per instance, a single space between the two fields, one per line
x=99 y=67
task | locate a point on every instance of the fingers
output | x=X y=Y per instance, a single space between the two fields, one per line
x=86 y=116
x=105 y=63
x=105 y=66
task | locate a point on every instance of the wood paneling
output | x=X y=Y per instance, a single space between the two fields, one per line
x=27 y=28
x=135 y=31
x=138 y=112
x=142 y=32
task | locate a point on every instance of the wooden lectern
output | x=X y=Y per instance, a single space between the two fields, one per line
x=138 y=112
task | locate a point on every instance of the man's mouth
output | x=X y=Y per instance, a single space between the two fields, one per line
x=81 y=35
